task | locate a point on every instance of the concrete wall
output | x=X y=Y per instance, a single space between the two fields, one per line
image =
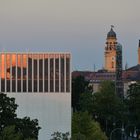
x=53 y=110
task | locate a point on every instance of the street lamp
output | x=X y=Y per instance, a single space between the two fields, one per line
x=123 y=132
x=132 y=135
x=135 y=133
x=121 y=129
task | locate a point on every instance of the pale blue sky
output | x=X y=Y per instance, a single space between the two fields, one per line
x=76 y=26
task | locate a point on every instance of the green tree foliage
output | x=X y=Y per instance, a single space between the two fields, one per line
x=7 y=111
x=85 y=128
x=60 y=136
x=108 y=107
x=29 y=128
x=86 y=102
x=13 y=126
x=10 y=133
x=79 y=86
x=133 y=102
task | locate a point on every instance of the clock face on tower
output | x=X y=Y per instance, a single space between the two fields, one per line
x=113 y=58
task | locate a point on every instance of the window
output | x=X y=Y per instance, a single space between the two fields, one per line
x=67 y=73
x=57 y=73
x=13 y=72
x=3 y=72
x=19 y=72
x=24 y=71
x=51 y=73
x=46 y=73
x=30 y=71
x=8 y=75
x=41 y=73
x=62 y=72
x=35 y=72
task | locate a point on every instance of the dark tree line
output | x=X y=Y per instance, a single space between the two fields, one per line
x=12 y=127
x=105 y=106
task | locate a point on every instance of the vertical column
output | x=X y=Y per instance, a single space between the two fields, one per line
x=0 y=72
x=38 y=72
x=10 y=72
x=43 y=73
x=21 y=72
x=65 y=73
x=59 y=74
x=32 y=72
x=70 y=72
x=5 y=72
x=16 y=74
x=27 y=72
x=48 y=73
x=54 y=74
x=10 y=68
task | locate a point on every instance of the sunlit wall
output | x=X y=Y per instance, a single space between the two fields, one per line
x=35 y=72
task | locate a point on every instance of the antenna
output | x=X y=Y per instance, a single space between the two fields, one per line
x=94 y=67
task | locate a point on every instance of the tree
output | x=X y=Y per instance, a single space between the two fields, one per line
x=60 y=136
x=133 y=102
x=86 y=102
x=84 y=127
x=29 y=128
x=9 y=133
x=11 y=125
x=108 y=107
x=79 y=86
x=7 y=111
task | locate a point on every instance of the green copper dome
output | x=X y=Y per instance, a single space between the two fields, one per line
x=111 y=33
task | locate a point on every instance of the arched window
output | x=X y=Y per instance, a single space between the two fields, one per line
x=112 y=65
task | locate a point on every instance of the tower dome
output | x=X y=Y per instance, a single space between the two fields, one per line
x=111 y=33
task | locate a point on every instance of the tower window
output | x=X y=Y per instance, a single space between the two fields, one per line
x=112 y=64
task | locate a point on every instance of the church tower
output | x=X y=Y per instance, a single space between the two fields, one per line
x=110 y=51
x=139 y=53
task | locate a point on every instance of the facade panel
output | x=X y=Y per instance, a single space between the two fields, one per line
x=35 y=72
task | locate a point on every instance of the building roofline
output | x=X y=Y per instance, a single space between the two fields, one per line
x=34 y=52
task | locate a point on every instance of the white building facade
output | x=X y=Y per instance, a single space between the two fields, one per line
x=41 y=85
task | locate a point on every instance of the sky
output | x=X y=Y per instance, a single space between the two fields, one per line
x=76 y=26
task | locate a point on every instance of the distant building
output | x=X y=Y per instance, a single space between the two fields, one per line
x=41 y=85
x=129 y=75
x=139 y=53
x=110 y=51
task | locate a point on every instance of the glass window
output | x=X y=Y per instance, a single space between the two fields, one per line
x=30 y=73
x=35 y=72
x=2 y=72
x=19 y=56
x=24 y=66
x=41 y=73
x=67 y=73
x=46 y=73
x=13 y=72
x=62 y=72
x=57 y=73
x=8 y=59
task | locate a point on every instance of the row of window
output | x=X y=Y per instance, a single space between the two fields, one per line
x=35 y=72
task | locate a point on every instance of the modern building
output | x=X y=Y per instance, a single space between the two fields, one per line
x=41 y=85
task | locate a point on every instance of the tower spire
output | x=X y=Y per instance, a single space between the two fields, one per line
x=112 y=26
